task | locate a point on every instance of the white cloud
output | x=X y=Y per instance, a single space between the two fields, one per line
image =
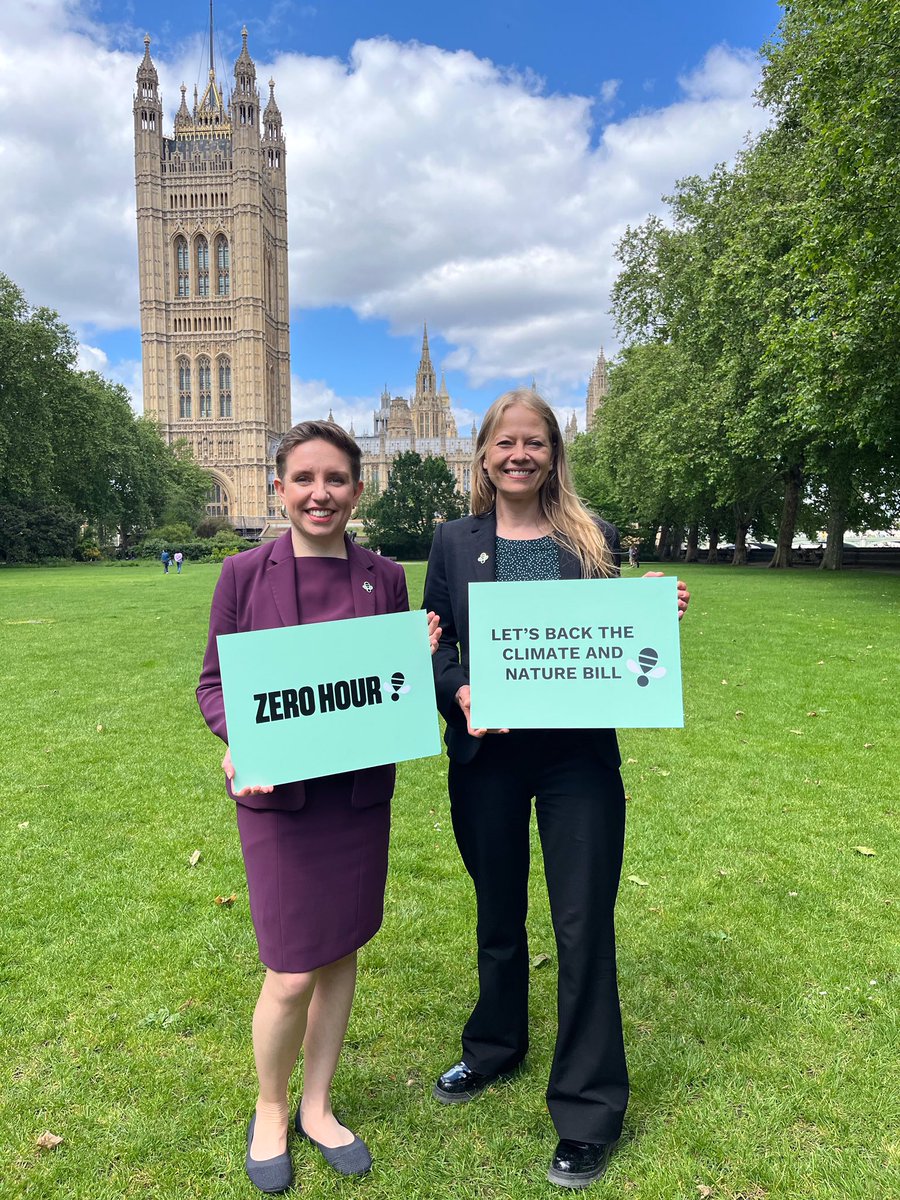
x=609 y=89
x=422 y=183
x=91 y=358
x=313 y=399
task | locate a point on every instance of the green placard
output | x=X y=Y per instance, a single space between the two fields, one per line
x=575 y=654
x=311 y=700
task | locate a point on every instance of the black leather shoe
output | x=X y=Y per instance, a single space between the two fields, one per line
x=460 y=1083
x=578 y=1164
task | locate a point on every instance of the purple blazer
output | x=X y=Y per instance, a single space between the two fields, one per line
x=257 y=590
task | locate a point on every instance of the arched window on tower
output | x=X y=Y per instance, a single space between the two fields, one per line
x=204 y=374
x=223 y=264
x=224 y=387
x=202 y=266
x=183 y=267
x=272 y=397
x=217 y=504
x=184 y=389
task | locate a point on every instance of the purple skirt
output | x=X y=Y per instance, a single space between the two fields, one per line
x=315 y=876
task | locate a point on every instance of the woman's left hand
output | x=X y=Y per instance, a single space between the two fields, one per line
x=434 y=630
x=684 y=596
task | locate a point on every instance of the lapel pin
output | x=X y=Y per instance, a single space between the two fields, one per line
x=367 y=587
x=482 y=558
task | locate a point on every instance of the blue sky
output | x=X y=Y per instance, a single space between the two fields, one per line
x=471 y=165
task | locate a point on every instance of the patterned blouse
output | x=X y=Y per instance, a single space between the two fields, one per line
x=533 y=558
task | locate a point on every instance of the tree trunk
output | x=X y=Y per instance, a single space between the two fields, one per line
x=838 y=508
x=793 y=479
x=661 y=538
x=739 y=558
x=673 y=543
x=690 y=554
x=713 y=555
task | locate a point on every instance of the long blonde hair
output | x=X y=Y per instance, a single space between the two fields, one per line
x=572 y=525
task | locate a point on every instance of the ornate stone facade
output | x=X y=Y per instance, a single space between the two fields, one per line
x=213 y=265
x=424 y=424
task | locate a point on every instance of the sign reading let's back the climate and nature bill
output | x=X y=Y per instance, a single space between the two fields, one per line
x=575 y=654
x=311 y=700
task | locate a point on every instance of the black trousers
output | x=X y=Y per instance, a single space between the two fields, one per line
x=580 y=805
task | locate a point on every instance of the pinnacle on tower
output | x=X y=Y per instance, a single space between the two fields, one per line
x=183 y=116
x=146 y=70
x=425 y=381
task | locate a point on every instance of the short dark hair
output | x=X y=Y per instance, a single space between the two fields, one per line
x=326 y=431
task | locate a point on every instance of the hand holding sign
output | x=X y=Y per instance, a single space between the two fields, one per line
x=261 y=789
x=464 y=700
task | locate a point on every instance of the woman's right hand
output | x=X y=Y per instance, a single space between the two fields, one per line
x=261 y=789
x=464 y=700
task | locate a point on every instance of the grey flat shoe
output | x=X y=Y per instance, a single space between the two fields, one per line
x=354 y=1159
x=270 y=1175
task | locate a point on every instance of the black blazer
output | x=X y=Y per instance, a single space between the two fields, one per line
x=463 y=552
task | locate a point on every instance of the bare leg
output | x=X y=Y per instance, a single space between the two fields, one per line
x=279 y=1026
x=329 y=1012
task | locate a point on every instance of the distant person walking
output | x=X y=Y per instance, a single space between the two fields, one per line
x=165 y=558
x=633 y=557
x=179 y=559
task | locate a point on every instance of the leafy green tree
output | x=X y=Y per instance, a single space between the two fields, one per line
x=832 y=79
x=187 y=486
x=37 y=358
x=420 y=492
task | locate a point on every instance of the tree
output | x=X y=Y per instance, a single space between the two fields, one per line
x=420 y=492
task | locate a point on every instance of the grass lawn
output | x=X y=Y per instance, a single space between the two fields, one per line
x=758 y=953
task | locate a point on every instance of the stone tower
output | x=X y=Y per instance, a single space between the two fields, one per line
x=598 y=387
x=213 y=267
x=431 y=408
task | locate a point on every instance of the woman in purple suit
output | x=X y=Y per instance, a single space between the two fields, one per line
x=315 y=852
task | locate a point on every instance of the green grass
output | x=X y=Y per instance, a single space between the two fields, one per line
x=759 y=964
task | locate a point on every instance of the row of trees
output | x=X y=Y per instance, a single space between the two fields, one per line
x=760 y=377
x=72 y=452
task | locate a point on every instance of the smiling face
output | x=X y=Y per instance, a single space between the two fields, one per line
x=518 y=458
x=318 y=493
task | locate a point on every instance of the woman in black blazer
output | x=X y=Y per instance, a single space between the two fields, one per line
x=528 y=523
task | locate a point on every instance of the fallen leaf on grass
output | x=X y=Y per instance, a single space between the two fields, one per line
x=739 y=713
x=799 y=731
x=194 y=859
x=540 y=960
x=99 y=728
x=48 y=1140
x=227 y=901
x=866 y=850
x=722 y=871
x=721 y=936
x=631 y=760
x=868 y=745
x=704 y=1191
x=23 y=824
x=812 y=714
x=637 y=879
